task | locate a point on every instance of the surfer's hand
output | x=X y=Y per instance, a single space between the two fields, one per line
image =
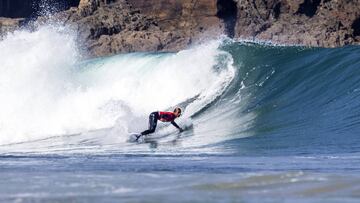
x=180 y=129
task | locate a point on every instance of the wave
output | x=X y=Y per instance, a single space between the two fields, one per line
x=281 y=98
x=46 y=90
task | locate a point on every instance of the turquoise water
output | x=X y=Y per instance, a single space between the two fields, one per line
x=264 y=123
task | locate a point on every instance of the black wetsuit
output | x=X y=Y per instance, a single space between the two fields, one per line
x=153 y=118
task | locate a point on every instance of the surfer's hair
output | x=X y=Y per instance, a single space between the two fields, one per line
x=177 y=109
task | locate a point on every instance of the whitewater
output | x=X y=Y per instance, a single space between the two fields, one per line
x=264 y=122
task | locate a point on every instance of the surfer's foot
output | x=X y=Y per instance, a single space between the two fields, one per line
x=137 y=137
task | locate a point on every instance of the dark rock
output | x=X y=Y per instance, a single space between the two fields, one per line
x=142 y=25
x=112 y=26
x=304 y=22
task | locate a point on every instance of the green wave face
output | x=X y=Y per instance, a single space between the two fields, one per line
x=303 y=100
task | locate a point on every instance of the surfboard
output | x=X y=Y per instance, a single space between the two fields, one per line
x=156 y=136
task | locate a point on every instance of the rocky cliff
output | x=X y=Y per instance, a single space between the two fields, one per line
x=107 y=27
x=111 y=26
x=325 y=23
x=161 y=25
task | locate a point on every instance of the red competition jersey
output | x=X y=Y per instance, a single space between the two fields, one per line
x=166 y=116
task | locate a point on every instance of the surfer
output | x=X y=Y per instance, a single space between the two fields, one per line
x=164 y=117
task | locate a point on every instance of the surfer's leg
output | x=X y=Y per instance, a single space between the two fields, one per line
x=152 y=124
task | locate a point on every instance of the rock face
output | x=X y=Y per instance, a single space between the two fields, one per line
x=106 y=27
x=324 y=23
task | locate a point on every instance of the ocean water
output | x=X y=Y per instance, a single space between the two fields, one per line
x=264 y=123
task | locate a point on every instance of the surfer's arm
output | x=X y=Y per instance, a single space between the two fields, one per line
x=176 y=125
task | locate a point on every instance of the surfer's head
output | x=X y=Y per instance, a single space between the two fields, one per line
x=177 y=111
